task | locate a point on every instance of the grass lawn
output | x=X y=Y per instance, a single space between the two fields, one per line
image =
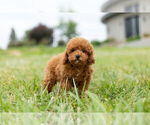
x=120 y=83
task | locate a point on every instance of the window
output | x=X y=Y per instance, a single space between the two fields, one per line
x=132 y=26
x=132 y=8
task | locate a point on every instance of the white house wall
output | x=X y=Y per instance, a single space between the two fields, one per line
x=116 y=29
x=116 y=26
x=145 y=24
x=144 y=6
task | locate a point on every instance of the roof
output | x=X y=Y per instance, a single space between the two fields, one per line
x=109 y=15
x=109 y=3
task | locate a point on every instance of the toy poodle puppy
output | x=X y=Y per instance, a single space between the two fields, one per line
x=73 y=67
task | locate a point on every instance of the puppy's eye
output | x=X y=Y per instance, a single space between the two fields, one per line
x=84 y=51
x=72 y=50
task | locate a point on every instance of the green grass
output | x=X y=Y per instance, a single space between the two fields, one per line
x=120 y=83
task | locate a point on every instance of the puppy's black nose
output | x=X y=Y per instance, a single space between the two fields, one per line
x=77 y=56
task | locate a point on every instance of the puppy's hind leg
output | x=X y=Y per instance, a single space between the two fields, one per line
x=49 y=85
x=49 y=81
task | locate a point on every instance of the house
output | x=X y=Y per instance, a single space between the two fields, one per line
x=127 y=19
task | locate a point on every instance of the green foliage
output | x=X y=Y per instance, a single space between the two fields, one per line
x=13 y=36
x=22 y=43
x=120 y=82
x=134 y=38
x=41 y=32
x=110 y=40
x=61 y=43
x=68 y=29
x=107 y=41
x=99 y=43
x=96 y=42
x=26 y=36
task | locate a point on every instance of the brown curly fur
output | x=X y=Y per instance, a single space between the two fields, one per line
x=66 y=68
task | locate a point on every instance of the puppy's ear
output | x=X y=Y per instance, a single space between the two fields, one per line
x=91 y=59
x=65 y=58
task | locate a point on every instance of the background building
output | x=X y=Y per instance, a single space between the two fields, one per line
x=128 y=20
x=126 y=6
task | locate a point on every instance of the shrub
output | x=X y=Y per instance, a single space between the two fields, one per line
x=109 y=40
x=61 y=43
x=130 y=39
x=45 y=42
x=41 y=32
x=96 y=43
x=20 y=43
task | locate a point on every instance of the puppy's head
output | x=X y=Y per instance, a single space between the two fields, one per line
x=79 y=52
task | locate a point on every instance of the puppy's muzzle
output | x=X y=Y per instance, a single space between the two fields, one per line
x=77 y=56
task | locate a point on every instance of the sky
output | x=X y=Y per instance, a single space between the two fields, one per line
x=25 y=14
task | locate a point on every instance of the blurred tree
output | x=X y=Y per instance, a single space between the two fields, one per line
x=12 y=38
x=68 y=29
x=26 y=36
x=41 y=32
x=96 y=42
